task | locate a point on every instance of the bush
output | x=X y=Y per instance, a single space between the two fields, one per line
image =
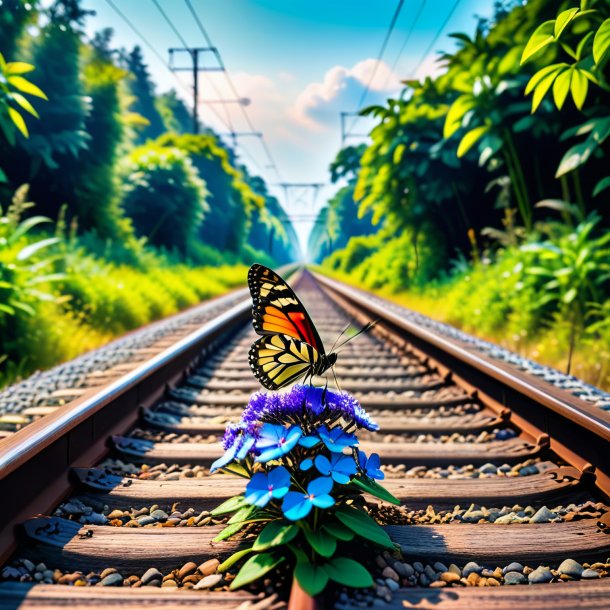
x=164 y=196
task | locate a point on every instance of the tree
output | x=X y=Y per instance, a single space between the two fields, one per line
x=176 y=116
x=143 y=91
x=14 y=16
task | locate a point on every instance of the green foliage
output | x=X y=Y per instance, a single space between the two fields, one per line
x=13 y=102
x=164 y=196
x=231 y=200
x=14 y=17
x=176 y=116
x=582 y=35
x=142 y=91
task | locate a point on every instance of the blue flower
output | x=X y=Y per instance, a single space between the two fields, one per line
x=370 y=466
x=309 y=441
x=340 y=467
x=297 y=505
x=336 y=440
x=241 y=445
x=263 y=487
x=275 y=441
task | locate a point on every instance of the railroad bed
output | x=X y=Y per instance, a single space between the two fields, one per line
x=503 y=478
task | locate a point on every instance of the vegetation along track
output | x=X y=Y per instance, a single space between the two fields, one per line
x=502 y=476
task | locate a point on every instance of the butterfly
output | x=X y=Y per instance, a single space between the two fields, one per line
x=290 y=346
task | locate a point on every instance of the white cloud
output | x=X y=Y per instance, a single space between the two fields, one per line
x=318 y=106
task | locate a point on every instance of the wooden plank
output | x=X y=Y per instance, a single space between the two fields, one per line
x=29 y=596
x=410 y=371
x=412 y=453
x=372 y=384
x=493 y=544
x=368 y=400
x=584 y=595
x=208 y=492
x=71 y=546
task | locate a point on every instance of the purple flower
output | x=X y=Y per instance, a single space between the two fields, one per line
x=275 y=441
x=336 y=440
x=263 y=487
x=297 y=505
x=371 y=465
x=340 y=467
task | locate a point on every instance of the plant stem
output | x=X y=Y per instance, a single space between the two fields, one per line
x=516 y=189
x=578 y=190
x=526 y=211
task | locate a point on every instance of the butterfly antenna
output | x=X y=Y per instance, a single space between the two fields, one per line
x=339 y=337
x=364 y=329
x=332 y=368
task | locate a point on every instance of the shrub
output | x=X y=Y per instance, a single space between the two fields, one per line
x=164 y=196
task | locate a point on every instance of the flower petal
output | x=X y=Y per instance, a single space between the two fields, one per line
x=306 y=464
x=296 y=505
x=323 y=465
x=229 y=456
x=320 y=486
x=309 y=441
x=323 y=501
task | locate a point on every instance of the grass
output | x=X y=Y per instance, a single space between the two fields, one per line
x=482 y=305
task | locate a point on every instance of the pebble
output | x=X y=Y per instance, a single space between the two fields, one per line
x=209 y=567
x=112 y=580
x=392 y=584
x=540 y=575
x=146 y=520
x=159 y=515
x=150 y=575
x=512 y=567
x=450 y=577
x=569 y=567
x=471 y=567
x=186 y=569
x=440 y=567
x=514 y=578
x=589 y=573
x=108 y=571
x=208 y=581
x=390 y=573
x=488 y=468
x=544 y=515
x=403 y=569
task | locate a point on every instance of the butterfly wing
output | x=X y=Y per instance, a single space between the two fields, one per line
x=278 y=360
x=277 y=309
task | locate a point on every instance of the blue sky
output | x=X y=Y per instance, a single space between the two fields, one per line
x=299 y=62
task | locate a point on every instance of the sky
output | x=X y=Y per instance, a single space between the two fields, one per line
x=300 y=63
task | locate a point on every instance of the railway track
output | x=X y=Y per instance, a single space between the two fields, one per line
x=504 y=478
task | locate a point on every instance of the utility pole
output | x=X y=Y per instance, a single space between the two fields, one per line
x=345 y=133
x=195 y=68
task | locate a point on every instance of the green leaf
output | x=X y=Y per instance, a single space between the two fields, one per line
x=275 y=533
x=602 y=185
x=569 y=296
x=26 y=86
x=36 y=247
x=18 y=121
x=601 y=42
x=456 y=113
x=237 y=469
x=398 y=153
x=579 y=88
x=24 y=103
x=339 y=531
x=321 y=542
x=3 y=177
x=541 y=90
x=18 y=67
x=348 y=572
x=543 y=35
x=561 y=87
x=375 y=489
x=312 y=578
x=563 y=19
x=256 y=567
x=242 y=514
x=229 y=506
x=228 y=531
x=231 y=561
x=470 y=139
x=541 y=74
x=363 y=525
x=575 y=157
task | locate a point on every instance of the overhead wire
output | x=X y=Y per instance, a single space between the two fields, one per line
x=231 y=83
x=406 y=41
x=386 y=39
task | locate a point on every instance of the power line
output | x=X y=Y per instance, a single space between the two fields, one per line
x=231 y=83
x=186 y=45
x=379 y=57
x=435 y=39
x=406 y=41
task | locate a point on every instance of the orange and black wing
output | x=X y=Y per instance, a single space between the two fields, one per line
x=276 y=309
x=279 y=360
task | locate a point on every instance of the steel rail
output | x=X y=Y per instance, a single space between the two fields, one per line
x=575 y=428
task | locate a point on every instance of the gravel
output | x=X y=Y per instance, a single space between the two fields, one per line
x=37 y=389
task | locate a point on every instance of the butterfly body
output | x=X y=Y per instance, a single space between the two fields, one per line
x=290 y=346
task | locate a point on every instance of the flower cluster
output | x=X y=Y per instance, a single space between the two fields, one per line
x=307 y=477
